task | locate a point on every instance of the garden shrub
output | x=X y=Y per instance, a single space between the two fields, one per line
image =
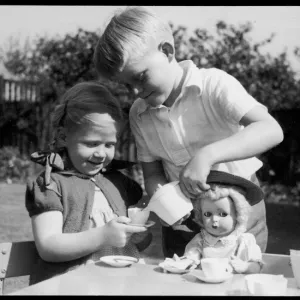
x=14 y=167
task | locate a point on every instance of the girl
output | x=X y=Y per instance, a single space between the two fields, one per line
x=223 y=212
x=78 y=205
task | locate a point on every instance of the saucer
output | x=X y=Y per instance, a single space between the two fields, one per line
x=119 y=260
x=199 y=274
x=173 y=269
x=147 y=224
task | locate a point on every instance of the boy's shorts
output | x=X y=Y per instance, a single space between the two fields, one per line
x=175 y=240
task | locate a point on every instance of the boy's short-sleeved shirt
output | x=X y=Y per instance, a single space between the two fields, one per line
x=208 y=109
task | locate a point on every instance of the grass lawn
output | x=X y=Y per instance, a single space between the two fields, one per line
x=283 y=222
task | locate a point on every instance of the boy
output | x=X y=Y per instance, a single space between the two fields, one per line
x=186 y=121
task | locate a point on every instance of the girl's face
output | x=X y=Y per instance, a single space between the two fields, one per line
x=91 y=146
x=151 y=77
x=219 y=216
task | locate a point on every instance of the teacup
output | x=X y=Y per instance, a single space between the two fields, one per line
x=215 y=267
x=138 y=215
x=266 y=285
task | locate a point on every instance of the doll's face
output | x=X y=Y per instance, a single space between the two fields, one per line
x=218 y=216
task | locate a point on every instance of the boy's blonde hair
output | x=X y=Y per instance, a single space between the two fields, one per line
x=127 y=35
x=235 y=194
x=77 y=105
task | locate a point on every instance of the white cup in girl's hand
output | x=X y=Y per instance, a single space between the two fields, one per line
x=138 y=215
x=215 y=267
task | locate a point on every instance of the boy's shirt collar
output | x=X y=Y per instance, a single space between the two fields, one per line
x=187 y=66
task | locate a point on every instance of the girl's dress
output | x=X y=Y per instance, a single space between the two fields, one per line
x=84 y=202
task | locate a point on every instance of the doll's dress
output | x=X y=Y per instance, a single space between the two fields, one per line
x=243 y=246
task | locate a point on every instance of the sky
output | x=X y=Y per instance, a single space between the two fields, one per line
x=23 y=21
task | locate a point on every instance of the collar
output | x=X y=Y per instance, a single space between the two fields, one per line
x=187 y=66
x=225 y=240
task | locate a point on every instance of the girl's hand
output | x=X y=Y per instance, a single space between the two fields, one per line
x=238 y=265
x=117 y=232
x=192 y=178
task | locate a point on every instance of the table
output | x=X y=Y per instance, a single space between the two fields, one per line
x=138 y=279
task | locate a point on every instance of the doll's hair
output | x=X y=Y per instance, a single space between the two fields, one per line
x=127 y=35
x=235 y=194
x=78 y=104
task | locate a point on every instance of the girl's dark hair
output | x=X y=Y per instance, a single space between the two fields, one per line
x=79 y=102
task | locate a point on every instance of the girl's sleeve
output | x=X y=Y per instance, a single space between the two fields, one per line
x=39 y=199
x=248 y=249
x=193 y=249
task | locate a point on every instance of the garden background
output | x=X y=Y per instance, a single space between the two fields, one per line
x=41 y=71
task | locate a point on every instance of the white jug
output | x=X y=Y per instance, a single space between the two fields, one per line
x=169 y=203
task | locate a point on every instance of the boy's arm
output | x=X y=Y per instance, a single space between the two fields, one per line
x=261 y=133
x=154 y=176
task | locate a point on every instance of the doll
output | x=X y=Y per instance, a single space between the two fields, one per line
x=222 y=213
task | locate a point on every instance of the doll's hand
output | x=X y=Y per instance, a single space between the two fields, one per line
x=117 y=232
x=192 y=178
x=238 y=265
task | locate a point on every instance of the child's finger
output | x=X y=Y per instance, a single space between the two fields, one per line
x=123 y=219
x=134 y=229
x=203 y=186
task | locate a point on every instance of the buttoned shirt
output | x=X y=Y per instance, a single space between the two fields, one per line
x=208 y=109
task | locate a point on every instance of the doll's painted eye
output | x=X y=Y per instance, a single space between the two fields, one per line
x=207 y=214
x=223 y=214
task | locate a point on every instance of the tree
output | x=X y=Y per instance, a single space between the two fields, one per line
x=56 y=63
x=59 y=62
x=270 y=80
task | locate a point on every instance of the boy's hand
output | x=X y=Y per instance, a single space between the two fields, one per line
x=192 y=178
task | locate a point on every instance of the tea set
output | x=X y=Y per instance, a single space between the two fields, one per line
x=170 y=205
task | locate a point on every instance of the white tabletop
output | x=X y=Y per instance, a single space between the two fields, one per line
x=138 y=279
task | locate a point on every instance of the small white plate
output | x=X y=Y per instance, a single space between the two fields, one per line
x=119 y=260
x=173 y=269
x=200 y=275
x=147 y=224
